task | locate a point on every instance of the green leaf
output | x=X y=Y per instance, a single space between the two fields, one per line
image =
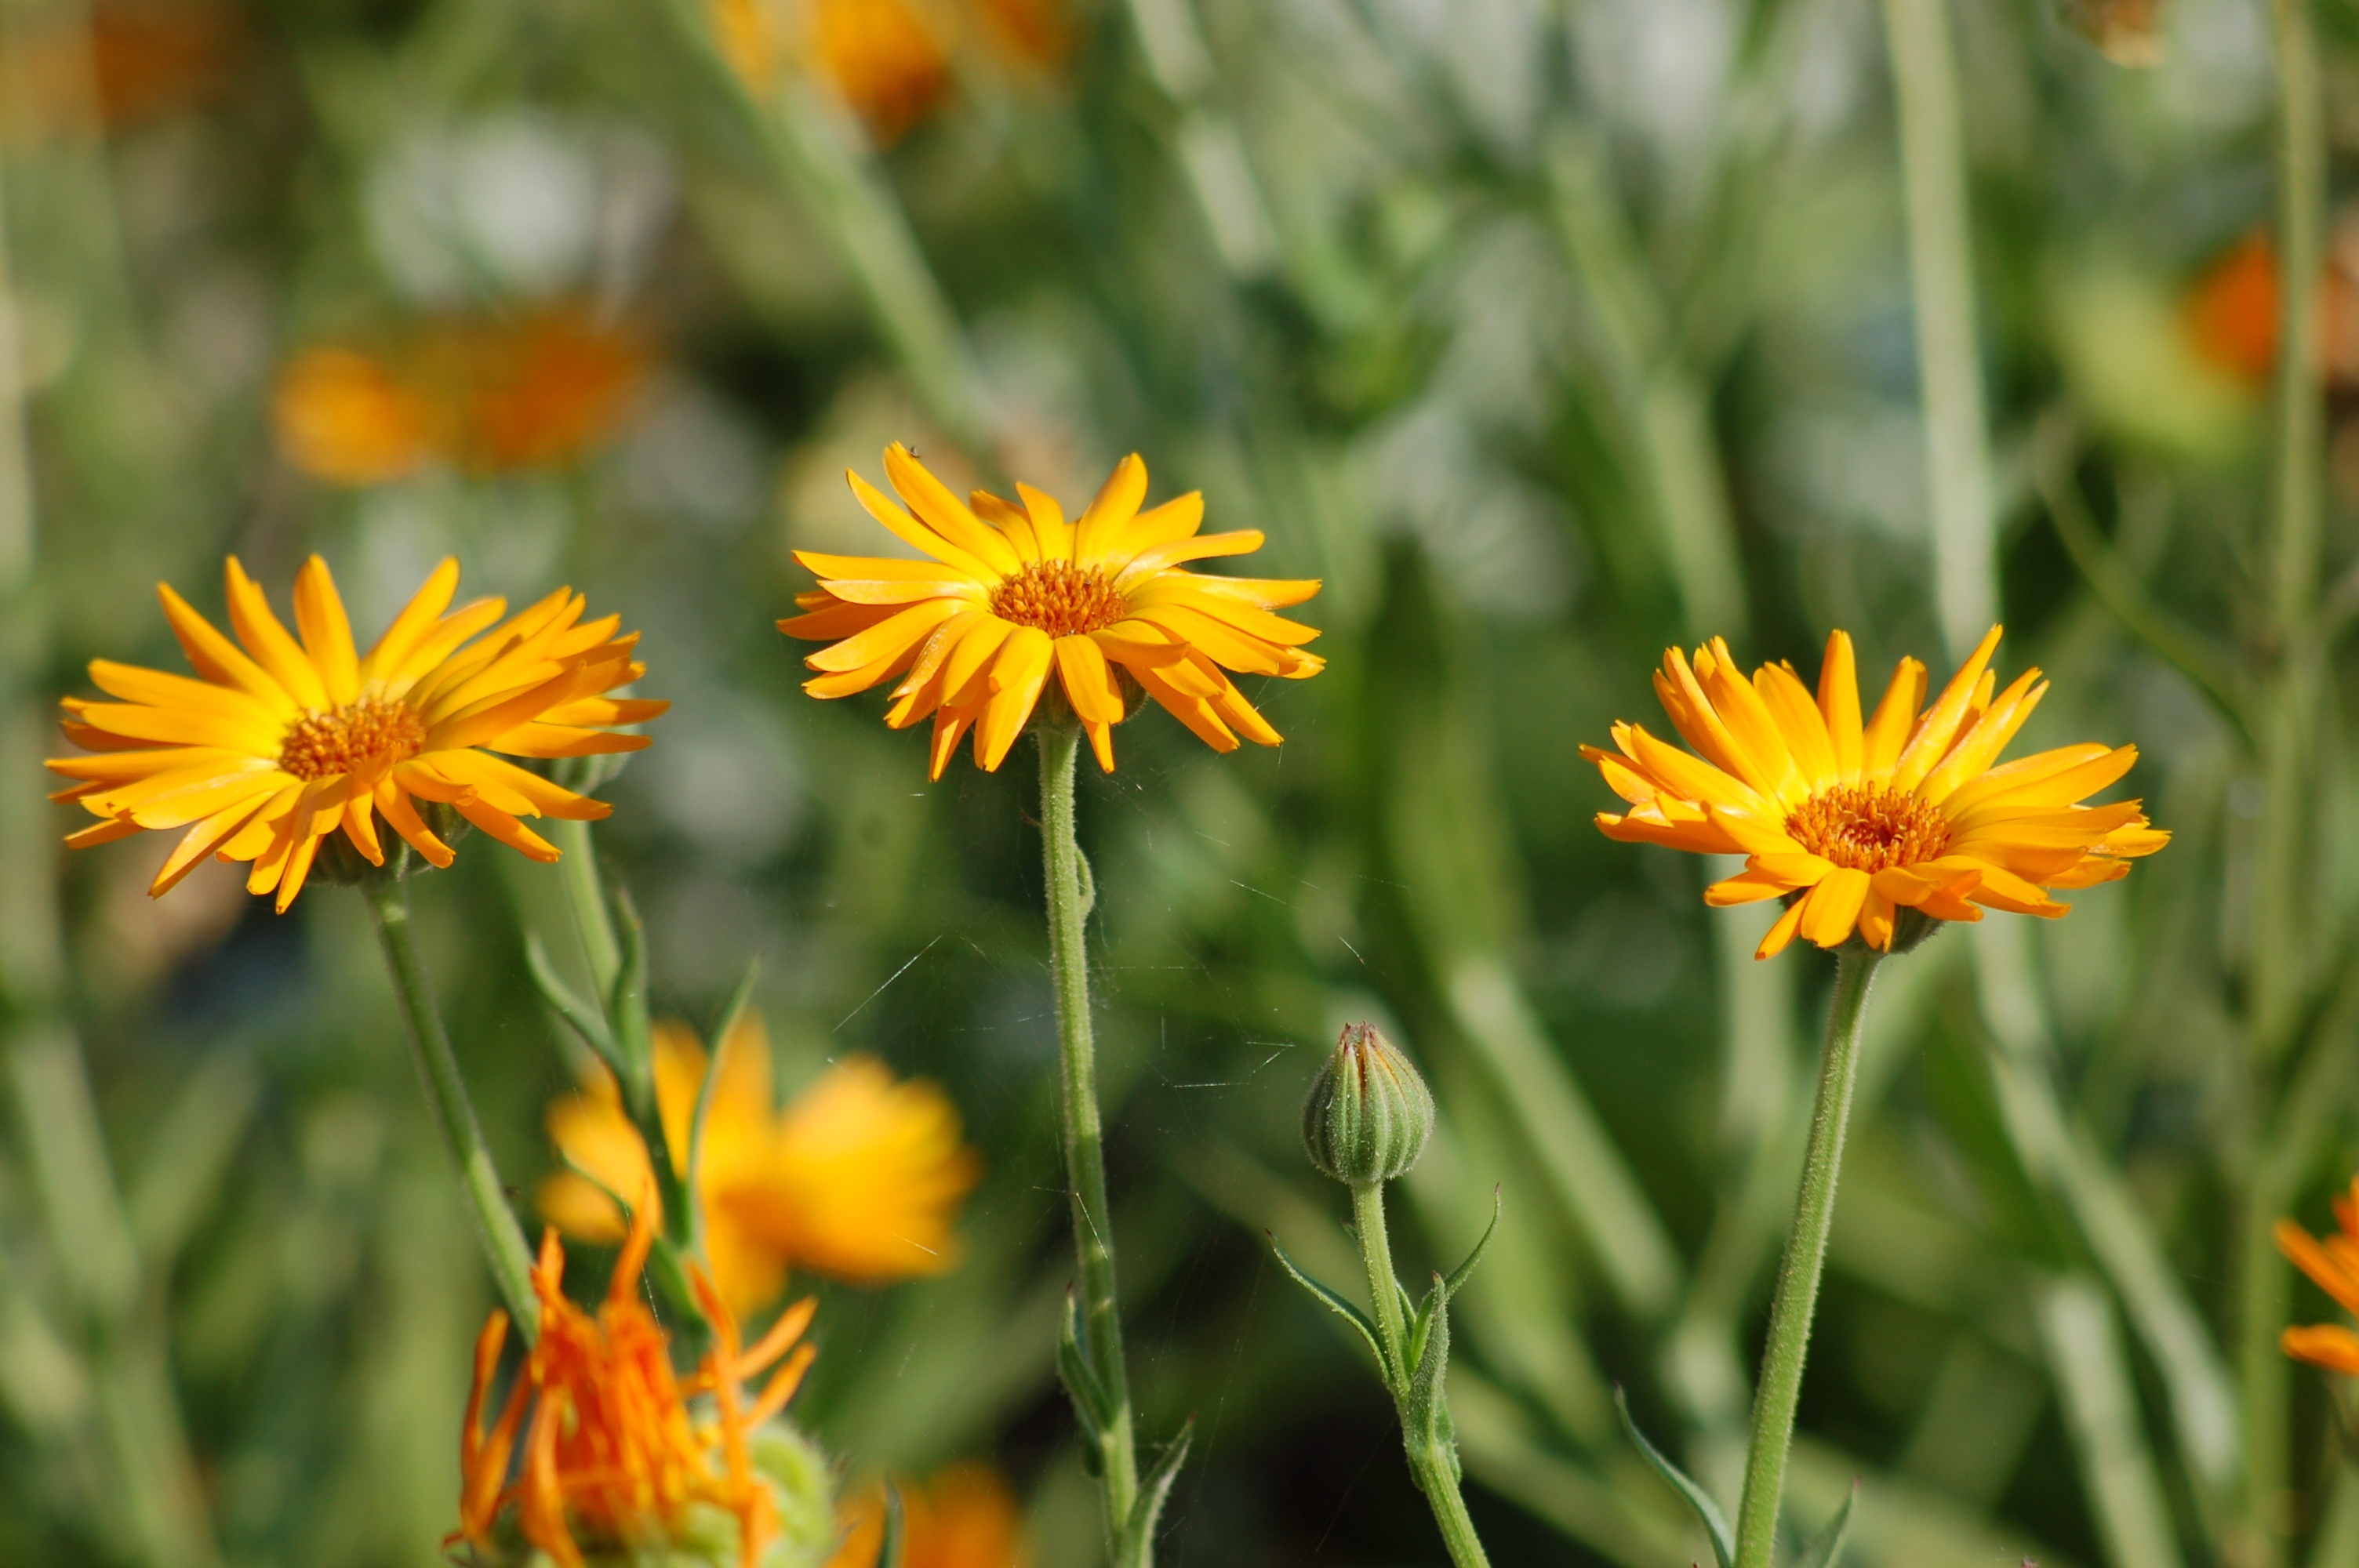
x=1715 y=1523
x=578 y=1015
x=717 y=1041
x=1090 y=1402
x=1137 y=1548
x=1828 y=1544
x=888 y=1554
x=627 y=1007
x=1335 y=1304
x=1425 y=1417
x=1458 y=1276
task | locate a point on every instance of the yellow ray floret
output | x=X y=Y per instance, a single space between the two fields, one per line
x=1011 y=595
x=1854 y=818
x=282 y=738
x=2333 y=1266
x=860 y=1176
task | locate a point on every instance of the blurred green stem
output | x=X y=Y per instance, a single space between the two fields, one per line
x=438 y=1070
x=1436 y=1474
x=1070 y=895
x=1806 y=1257
x=1941 y=269
x=2282 y=914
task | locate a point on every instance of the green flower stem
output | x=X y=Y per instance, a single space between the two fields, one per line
x=1436 y=1475
x=495 y=1224
x=1069 y=897
x=1806 y=1258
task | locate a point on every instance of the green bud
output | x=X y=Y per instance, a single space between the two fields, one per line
x=1368 y=1114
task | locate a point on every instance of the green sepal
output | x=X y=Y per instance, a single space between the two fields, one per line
x=1337 y=1304
x=1136 y=1547
x=1425 y=1415
x=1715 y=1523
x=585 y=1021
x=888 y=1552
x=1828 y=1544
x=1091 y=1406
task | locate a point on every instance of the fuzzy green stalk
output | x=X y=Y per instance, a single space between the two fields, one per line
x=1797 y=1300
x=1070 y=895
x=446 y=1091
x=1435 y=1474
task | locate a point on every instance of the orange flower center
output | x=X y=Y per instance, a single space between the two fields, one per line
x=1868 y=829
x=347 y=740
x=1060 y=598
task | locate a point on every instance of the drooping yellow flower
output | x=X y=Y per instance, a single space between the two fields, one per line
x=860 y=1176
x=1864 y=818
x=964 y=1518
x=1013 y=593
x=615 y=1453
x=280 y=742
x=2333 y=1264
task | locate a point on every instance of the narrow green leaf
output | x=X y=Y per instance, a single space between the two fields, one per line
x=1715 y=1523
x=564 y=1001
x=1827 y=1545
x=627 y=1007
x=1425 y=1414
x=888 y=1554
x=1081 y=1385
x=1136 y=1549
x=1458 y=1276
x=1336 y=1303
x=716 y=1042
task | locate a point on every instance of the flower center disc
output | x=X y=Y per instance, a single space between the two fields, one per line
x=346 y=740
x=1866 y=830
x=1060 y=598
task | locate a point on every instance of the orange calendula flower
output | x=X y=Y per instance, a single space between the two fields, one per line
x=889 y=63
x=964 y=1518
x=1012 y=593
x=859 y=1177
x=282 y=739
x=2333 y=1264
x=485 y=396
x=1863 y=818
x=615 y=1453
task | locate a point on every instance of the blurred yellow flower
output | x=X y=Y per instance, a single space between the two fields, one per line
x=613 y=1451
x=860 y=1176
x=1013 y=593
x=1904 y=811
x=2335 y=1266
x=278 y=743
x=487 y=396
x=889 y=63
x=964 y=1518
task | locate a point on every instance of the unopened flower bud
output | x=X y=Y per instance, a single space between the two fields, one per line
x=1368 y=1114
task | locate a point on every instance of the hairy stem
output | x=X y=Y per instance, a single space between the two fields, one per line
x=438 y=1070
x=1085 y=1137
x=1806 y=1257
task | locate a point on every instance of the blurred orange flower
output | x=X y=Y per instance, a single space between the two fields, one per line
x=891 y=66
x=860 y=1176
x=2334 y=1265
x=122 y=64
x=964 y=1518
x=486 y=396
x=2232 y=311
x=613 y=1451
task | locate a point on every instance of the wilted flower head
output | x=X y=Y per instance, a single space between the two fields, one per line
x=1854 y=821
x=860 y=1176
x=621 y=1451
x=277 y=742
x=1013 y=594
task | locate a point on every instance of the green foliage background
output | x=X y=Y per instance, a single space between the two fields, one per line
x=1546 y=334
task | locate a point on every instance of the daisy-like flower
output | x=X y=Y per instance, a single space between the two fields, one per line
x=964 y=1517
x=282 y=739
x=1012 y=593
x=1864 y=818
x=616 y=1452
x=859 y=1177
x=2333 y=1264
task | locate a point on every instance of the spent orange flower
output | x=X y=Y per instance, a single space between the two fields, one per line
x=1855 y=820
x=279 y=742
x=2334 y=1265
x=859 y=1177
x=486 y=396
x=617 y=1451
x=1012 y=593
x=965 y=1517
